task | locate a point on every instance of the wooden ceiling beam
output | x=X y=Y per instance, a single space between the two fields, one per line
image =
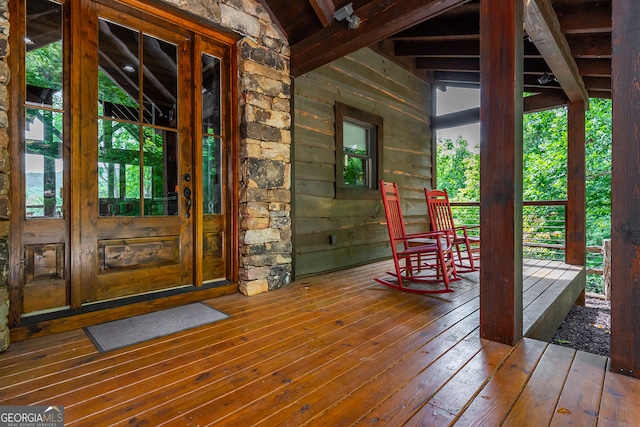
x=593 y=46
x=450 y=49
x=531 y=65
x=458 y=118
x=325 y=10
x=379 y=19
x=586 y=19
x=442 y=27
x=543 y=27
x=545 y=100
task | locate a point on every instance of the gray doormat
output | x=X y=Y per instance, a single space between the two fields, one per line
x=132 y=330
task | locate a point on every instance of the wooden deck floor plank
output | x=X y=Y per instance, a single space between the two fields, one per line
x=491 y=406
x=319 y=392
x=334 y=349
x=533 y=271
x=185 y=345
x=423 y=372
x=551 y=274
x=582 y=392
x=356 y=354
x=221 y=377
x=187 y=350
x=465 y=384
x=619 y=406
x=30 y=349
x=537 y=402
x=421 y=319
x=434 y=370
x=19 y=359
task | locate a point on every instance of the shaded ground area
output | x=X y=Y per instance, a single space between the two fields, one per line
x=587 y=328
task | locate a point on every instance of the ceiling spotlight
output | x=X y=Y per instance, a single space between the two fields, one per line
x=128 y=68
x=346 y=13
x=546 y=78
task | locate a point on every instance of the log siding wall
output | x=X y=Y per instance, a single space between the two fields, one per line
x=372 y=83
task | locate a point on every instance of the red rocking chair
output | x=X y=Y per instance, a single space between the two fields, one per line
x=467 y=248
x=421 y=257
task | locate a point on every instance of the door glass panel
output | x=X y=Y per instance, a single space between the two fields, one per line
x=211 y=130
x=161 y=172
x=44 y=114
x=160 y=82
x=212 y=189
x=119 y=72
x=118 y=168
x=43 y=45
x=137 y=165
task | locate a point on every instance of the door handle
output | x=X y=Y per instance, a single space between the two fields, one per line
x=187 y=195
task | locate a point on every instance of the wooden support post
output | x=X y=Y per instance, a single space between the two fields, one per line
x=625 y=180
x=576 y=245
x=501 y=62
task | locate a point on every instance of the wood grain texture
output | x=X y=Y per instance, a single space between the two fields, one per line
x=625 y=205
x=371 y=83
x=501 y=170
x=576 y=222
x=333 y=349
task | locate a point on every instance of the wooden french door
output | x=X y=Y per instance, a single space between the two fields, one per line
x=135 y=160
x=122 y=185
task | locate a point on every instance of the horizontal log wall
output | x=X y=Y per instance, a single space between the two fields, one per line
x=332 y=233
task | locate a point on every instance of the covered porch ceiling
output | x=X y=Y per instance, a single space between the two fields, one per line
x=566 y=44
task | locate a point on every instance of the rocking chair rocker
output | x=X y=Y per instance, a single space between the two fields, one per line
x=467 y=248
x=421 y=257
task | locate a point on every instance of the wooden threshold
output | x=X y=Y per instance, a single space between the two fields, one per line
x=330 y=350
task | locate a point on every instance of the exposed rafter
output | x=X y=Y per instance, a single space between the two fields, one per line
x=325 y=10
x=542 y=25
x=379 y=19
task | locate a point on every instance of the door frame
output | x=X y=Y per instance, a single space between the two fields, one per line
x=160 y=13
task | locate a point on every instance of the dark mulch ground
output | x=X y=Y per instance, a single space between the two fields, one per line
x=587 y=328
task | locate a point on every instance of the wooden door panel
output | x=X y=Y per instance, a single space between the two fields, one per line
x=134 y=253
x=132 y=282
x=45 y=284
x=213 y=248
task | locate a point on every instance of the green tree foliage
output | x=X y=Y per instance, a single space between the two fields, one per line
x=458 y=169
x=544 y=163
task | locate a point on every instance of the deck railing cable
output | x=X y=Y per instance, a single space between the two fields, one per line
x=543 y=234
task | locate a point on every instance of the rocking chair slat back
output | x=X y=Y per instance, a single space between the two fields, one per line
x=466 y=248
x=419 y=258
x=440 y=210
x=393 y=212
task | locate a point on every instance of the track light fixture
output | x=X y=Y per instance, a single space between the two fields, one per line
x=346 y=13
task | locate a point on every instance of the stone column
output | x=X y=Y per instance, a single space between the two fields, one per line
x=265 y=181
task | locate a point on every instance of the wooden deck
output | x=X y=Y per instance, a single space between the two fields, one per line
x=332 y=350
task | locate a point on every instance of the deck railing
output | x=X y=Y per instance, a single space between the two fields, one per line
x=543 y=234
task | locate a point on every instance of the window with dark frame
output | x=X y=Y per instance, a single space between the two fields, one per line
x=358 y=152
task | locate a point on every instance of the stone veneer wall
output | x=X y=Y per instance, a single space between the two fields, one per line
x=265 y=146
